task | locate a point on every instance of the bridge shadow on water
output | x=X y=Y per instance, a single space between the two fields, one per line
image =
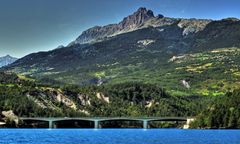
x=34 y=124
x=73 y=124
x=121 y=124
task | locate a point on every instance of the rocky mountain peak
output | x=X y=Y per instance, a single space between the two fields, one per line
x=6 y=60
x=7 y=56
x=129 y=23
x=136 y=19
x=144 y=12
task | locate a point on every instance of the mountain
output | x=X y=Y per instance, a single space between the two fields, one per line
x=185 y=56
x=142 y=18
x=6 y=60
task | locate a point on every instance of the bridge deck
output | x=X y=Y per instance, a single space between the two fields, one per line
x=104 y=118
x=97 y=120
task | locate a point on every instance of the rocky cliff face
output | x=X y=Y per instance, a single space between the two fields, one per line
x=192 y=25
x=9 y=119
x=129 y=23
x=142 y=18
x=136 y=19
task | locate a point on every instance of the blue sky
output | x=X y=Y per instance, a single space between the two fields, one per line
x=28 y=26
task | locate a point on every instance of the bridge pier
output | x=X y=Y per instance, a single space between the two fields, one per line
x=96 y=124
x=145 y=124
x=187 y=125
x=50 y=124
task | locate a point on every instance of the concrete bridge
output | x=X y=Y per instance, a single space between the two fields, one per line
x=96 y=121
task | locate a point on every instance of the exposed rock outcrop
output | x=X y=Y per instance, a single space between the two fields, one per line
x=192 y=25
x=9 y=118
x=42 y=98
x=101 y=96
x=85 y=99
x=65 y=100
x=185 y=84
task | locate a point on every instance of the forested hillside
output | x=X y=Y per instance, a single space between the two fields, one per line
x=31 y=99
x=224 y=112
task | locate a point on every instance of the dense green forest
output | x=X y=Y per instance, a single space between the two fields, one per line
x=224 y=112
x=31 y=99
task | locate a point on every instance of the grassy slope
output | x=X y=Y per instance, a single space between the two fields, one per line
x=210 y=73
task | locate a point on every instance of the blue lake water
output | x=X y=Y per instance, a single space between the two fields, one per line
x=118 y=136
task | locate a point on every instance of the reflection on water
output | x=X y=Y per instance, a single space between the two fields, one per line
x=119 y=136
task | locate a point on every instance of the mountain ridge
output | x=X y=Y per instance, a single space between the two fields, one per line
x=142 y=18
x=6 y=60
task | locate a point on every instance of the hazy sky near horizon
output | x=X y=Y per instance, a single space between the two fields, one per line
x=28 y=26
